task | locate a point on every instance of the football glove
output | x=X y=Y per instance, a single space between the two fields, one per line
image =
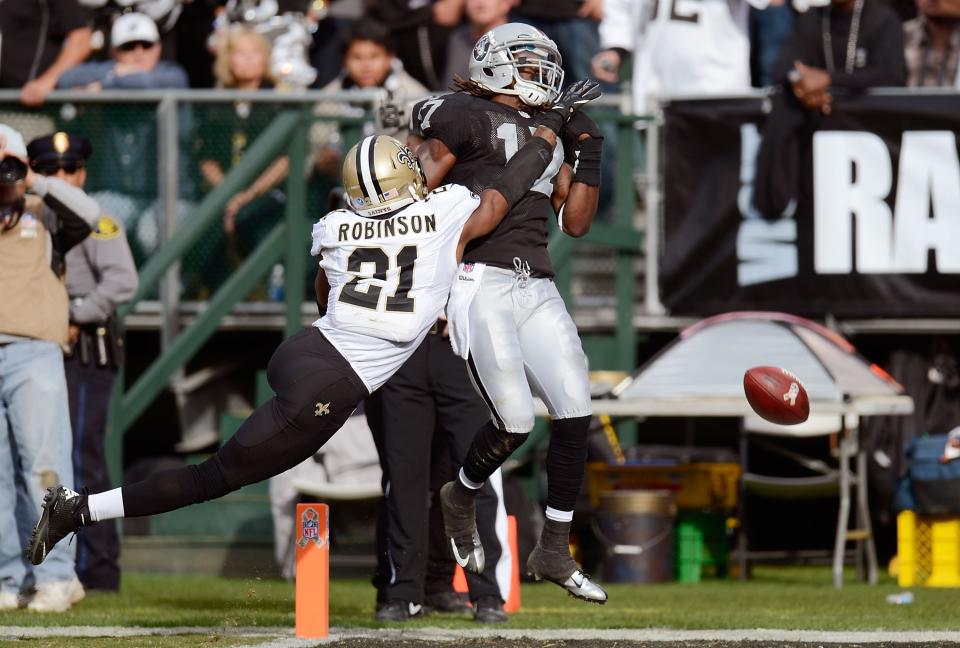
x=569 y=102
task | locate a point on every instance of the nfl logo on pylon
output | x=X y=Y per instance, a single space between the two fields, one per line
x=310 y=528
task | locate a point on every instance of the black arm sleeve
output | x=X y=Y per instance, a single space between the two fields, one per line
x=523 y=169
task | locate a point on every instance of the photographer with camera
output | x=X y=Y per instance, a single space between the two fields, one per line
x=36 y=231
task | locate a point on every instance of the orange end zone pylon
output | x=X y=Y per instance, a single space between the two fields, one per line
x=313 y=571
x=513 y=599
x=512 y=603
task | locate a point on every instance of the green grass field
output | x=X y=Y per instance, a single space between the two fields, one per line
x=784 y=598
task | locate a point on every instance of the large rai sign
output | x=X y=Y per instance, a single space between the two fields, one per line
x=873 y=230
x=855 y=227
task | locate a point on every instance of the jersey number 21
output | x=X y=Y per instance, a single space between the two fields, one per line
x=399 y=301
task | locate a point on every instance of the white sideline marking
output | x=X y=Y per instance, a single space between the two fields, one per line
x=37 y=632
x=282 y=637
x=638 y=635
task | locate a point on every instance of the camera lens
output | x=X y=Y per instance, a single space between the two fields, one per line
x=12 y=170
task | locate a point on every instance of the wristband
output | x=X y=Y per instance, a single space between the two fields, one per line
x=587 y=167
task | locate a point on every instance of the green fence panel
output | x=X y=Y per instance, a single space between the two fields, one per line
x=154 y=380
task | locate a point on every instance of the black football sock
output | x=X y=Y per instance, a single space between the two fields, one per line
x=566 y=458
x=490 y=448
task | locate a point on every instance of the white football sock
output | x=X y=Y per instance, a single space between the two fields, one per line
x=106 y=506
x=559 y=516
x=469 y=484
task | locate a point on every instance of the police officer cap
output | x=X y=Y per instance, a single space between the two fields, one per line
x=59 y=150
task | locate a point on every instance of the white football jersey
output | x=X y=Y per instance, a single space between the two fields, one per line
x=389 y=278
x=681 y=47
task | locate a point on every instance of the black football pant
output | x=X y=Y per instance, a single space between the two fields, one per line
x=430 y=396
x=316 y=391
x=98 y=546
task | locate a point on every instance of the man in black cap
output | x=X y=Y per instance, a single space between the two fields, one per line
x=100 y=276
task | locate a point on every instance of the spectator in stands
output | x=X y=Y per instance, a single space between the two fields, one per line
x=419 y=30
x=135 y=61
x=38 y=42
x=243 y=60
x=845 y=47
x=932 y=44
x=129 y=156
x=679 y=47
x=224 y=134
x=572 y=24
x=330 y=31
x=482 y=16
x=369 y=61
x=849 y=45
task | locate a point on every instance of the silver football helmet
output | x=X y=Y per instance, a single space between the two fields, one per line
x=518 y=59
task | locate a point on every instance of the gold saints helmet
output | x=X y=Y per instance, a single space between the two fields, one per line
x=381 y=175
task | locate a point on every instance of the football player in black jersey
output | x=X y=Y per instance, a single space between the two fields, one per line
x=506 y=316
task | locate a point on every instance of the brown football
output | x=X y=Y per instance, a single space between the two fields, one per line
x=776 y=395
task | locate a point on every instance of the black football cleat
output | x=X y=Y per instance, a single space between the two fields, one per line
x=447 y=603
x=64 y=511
x=398 y=611
x=489 y=609
x=460 y=527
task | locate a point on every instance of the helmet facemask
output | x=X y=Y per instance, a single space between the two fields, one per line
x=537 y=75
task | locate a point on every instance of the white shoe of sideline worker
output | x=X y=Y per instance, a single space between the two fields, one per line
x=57 y=596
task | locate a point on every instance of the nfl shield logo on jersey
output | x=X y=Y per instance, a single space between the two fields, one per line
x=468 y=267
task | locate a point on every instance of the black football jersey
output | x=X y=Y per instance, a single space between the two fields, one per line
x=484 y=135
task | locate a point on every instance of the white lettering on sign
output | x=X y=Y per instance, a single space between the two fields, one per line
x=854 y=228
x=928 y=203
x=766 y=249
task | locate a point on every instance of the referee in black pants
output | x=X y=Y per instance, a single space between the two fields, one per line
x=430 y=395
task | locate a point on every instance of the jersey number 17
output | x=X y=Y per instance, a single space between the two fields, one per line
x=507 y=133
